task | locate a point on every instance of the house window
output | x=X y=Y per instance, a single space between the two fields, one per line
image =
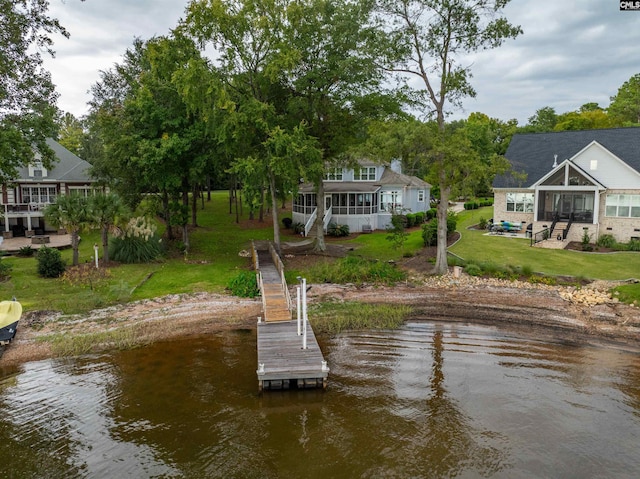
x=365 y=174
x=420 y=196
x=84 y=191
x=623 y=206
x=39 y=194
x=391 y=201
x=335 y=174
x=520 y=202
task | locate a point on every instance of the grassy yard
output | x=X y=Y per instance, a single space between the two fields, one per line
x=478 y=247
x=214 y=260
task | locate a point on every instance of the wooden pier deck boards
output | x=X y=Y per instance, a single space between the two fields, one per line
x=281 y=358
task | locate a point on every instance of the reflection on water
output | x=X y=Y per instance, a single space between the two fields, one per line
x=430 y=400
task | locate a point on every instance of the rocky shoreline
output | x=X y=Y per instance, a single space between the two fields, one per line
x=586 y=313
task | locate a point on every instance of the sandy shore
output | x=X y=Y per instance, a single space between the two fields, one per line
x=552 y=310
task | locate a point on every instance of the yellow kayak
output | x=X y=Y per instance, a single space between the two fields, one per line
x=10 y=312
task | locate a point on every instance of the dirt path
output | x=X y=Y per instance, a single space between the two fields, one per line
x=551 y=310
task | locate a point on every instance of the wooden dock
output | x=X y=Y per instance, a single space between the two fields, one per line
x=286 y=356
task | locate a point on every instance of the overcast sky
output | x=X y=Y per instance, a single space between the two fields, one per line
x=572 y=52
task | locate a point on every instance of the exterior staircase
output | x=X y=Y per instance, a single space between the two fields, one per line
x=276 y=303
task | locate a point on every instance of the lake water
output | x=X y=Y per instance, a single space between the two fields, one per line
x=429 y=400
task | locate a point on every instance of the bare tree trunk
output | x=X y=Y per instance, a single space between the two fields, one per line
x=167 y=214
x=442 y=266
x=104 y=233
x=237 y=208
x=274 y=214
x=319 y=244
x=261 y=211
x=184 y=221
x=194 y=206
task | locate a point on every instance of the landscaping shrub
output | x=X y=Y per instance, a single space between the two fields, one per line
x=482 y=223
x=298 y=228
x=420 y=217
x=606 y=241
x=430 y=230
x=337 y=230
x=473 y=270
x=244 y=285
x=633 y=245
x=471 y=205
x=586 y=240
x=137 y=244
x=410 y=219
x=397 y=233
x=431 y=213
x=26 y=251
x=50 y=262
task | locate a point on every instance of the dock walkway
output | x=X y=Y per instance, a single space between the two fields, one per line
x=286 y=357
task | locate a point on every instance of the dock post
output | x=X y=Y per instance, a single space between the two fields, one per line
x=298 y=307
x=304 y=313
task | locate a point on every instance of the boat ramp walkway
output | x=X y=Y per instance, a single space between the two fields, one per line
x=288 y=352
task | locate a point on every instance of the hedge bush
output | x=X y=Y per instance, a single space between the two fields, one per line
x=50 y=262
x=337 y=230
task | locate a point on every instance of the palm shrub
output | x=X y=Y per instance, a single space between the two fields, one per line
x=137 y=243
x=50 y=262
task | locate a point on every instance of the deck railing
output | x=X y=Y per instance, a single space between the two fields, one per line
x=280 y=267
x=540 y=236
x=309 y=224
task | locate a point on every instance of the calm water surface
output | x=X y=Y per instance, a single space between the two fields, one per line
x=430 y=400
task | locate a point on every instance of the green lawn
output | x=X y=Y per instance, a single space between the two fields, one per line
x=477 y=247
x=214 y=260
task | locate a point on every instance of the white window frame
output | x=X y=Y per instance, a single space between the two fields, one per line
x=334 y=174
x=365 y=173
x=519 y=202
x=620 y=205
x=391 y=201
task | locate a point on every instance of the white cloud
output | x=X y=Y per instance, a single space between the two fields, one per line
x=571 y=52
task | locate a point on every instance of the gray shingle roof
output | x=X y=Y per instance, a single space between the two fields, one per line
x=67 y=167
x=393 y=178
x=533 y=152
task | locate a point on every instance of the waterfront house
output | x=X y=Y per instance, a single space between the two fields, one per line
x=24 y=199
x=573 y=182
x=363 y=198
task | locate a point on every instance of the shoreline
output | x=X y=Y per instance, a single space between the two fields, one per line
x=544 y=310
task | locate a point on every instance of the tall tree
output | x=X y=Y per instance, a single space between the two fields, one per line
x=334 y=82
x=70 y=212
x=426 y=39
x=27 y=95
x=71 y=134
x=249 y=36
x=544 y=119
x=155 y=144
x=625 y=105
